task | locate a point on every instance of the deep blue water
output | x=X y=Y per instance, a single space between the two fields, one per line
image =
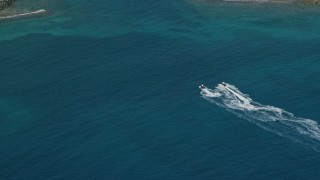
x=110 y=91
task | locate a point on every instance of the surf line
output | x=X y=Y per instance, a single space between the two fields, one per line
x=24 y=15
x=274 y=119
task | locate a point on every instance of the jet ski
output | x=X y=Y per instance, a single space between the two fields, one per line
x=202 y=87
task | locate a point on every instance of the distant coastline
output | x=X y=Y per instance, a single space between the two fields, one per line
x=10 y=12
x=298 y=2
x=24 y=15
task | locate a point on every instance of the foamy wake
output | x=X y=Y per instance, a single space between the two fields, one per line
x=271 y=118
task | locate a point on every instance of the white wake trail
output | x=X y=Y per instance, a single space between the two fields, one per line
x=271 y=118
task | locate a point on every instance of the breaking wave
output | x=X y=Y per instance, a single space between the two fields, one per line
x=24 y=15
x=279 y=121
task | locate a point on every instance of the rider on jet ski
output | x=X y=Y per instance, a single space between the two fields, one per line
x=202 y=86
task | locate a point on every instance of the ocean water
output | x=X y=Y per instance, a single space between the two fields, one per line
x=109 y=90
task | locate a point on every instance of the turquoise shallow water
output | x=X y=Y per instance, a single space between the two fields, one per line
x=110 y=91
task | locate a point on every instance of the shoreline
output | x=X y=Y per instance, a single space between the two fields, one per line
x=31 y=14
x=284 y=2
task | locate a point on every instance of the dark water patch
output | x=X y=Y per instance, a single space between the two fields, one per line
x=128 y=107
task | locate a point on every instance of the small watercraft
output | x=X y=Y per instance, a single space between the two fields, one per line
x=202 y=86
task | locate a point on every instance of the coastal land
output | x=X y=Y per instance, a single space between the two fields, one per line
x=12 y=10
x=297 y=2
x=5 y=3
